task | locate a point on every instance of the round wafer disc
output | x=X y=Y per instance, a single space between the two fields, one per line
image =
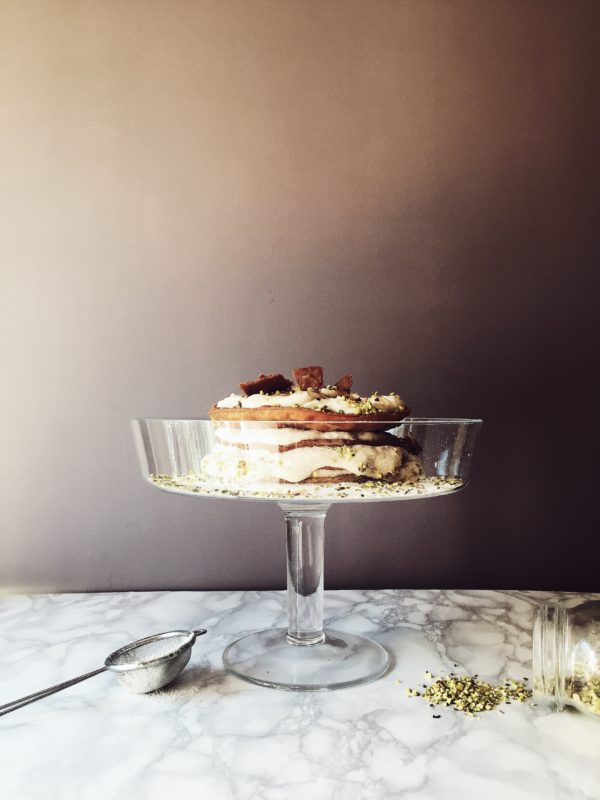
x=314 y=420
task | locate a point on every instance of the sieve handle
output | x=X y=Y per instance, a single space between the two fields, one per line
x=31 y=698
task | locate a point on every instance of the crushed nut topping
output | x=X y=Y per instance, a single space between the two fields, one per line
x=469 y=694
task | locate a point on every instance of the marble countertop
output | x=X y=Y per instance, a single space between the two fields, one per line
x=214 y=736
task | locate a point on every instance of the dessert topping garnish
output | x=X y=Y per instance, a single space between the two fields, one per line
x=304 y=378
x=308 y=377
x=266 y=384
x=344 y=384
x=308 y=391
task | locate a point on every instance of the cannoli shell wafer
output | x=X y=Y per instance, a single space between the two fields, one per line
x=310 y=418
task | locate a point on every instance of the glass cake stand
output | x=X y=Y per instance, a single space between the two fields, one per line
x=237 y=460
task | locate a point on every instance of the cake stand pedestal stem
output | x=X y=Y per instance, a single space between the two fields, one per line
x=305 y=557
x=303 y=656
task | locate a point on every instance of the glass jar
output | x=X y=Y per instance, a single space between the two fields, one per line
x=566 y=656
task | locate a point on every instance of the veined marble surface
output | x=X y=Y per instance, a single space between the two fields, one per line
x=213 y=736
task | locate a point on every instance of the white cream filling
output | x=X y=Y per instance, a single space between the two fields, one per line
x=293 y=466
x=318 y=400
x=258 y=433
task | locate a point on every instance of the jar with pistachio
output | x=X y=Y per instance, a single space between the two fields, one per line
x=566 y=656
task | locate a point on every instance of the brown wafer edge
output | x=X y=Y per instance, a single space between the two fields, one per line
x=312 y=419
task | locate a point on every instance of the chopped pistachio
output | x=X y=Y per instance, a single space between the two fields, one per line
x=585 y=691
x=470 y=695
x=199 y=484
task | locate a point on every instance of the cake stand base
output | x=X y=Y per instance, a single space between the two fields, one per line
x=268 y=658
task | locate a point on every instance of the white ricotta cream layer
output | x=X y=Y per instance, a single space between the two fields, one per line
x=236 y=464
x=319 y=400
x=264 y=433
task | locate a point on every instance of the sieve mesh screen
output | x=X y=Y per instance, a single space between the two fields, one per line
x=149 y=651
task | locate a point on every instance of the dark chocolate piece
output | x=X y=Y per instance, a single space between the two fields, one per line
x=308 y=377
x=268 y=384
x=344 y=384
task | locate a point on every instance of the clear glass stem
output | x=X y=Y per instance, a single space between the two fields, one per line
x=302 y=657
x=305 y=557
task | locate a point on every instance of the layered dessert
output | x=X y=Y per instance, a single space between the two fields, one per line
x=307 y=399
x=303 y=431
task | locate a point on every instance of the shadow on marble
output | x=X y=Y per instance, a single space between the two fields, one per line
x=192 y=680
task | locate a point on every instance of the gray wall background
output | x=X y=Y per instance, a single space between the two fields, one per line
x=196 y=191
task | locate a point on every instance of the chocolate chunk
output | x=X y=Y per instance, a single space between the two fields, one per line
x=308 y=377
x=268 y=384
x=344 y=384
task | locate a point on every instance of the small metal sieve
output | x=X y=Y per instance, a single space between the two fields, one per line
x=142 y=666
